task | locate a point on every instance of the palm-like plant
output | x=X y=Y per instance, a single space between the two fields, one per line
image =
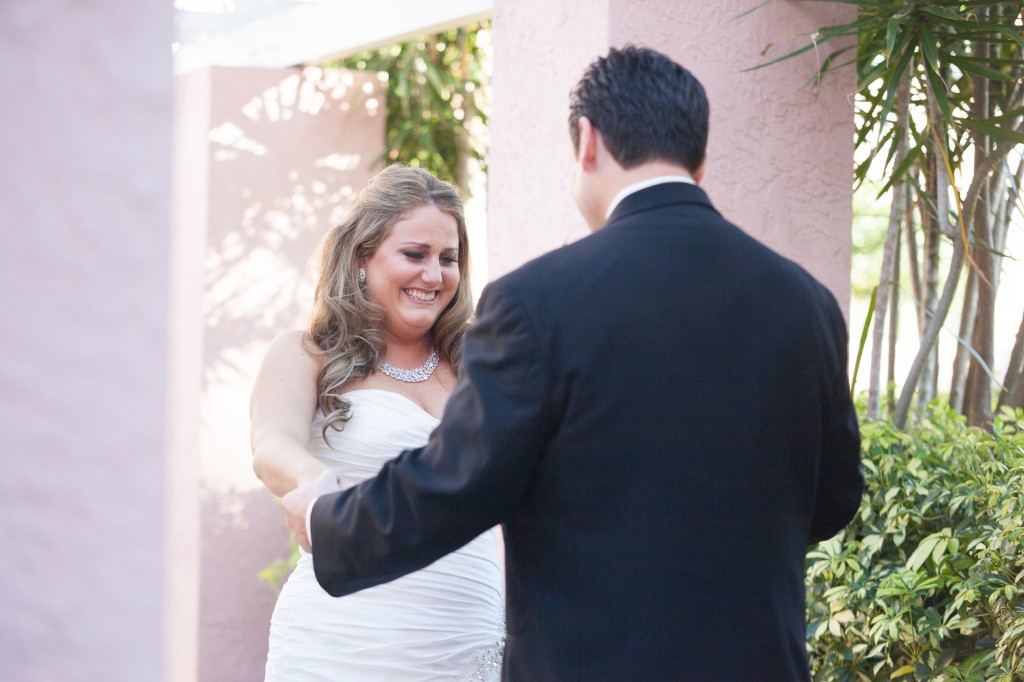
x=941 y=115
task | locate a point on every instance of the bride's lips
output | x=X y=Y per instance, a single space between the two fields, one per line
x=420 y=295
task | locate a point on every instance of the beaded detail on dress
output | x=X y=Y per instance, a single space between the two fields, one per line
x=485 y=666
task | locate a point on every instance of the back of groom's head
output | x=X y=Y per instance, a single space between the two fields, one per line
x=646 y=107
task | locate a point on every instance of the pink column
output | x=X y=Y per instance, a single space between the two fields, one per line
x=268 y=160
x=780 y=151
x=85 y=214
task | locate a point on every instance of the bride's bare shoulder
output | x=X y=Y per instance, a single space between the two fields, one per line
x=295 y=345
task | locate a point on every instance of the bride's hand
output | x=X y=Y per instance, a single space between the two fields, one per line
x=297 y=502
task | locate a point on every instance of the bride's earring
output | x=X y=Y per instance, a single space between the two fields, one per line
x=362 y=276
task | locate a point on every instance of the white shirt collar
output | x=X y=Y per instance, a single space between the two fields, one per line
x=644 y=184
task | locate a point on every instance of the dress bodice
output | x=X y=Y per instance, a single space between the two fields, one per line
x=383 y=424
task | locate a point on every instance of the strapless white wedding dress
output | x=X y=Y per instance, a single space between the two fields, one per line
x=442 y=623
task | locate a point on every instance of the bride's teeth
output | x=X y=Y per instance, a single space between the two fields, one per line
x=421 y=296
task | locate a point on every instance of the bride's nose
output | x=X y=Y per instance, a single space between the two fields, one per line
x=431 y=273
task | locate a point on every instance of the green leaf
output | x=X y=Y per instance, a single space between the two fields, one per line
x=899 y=536
x=968 y=624
x=1010 y=116
x=873 y=73
x=923 y=551
x=940 y=91
x=993 y=131
x=1013 y=35
x=752 y=9
x=794 y=53
x=927 y=42
x=900 y=672
x=893 y=77
x=981 y=68
x=845 y=616
x=891 y=31
x=942 y=13
x=864 y=336
x=902 y=172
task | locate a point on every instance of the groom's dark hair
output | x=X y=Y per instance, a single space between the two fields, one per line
x=646 y=107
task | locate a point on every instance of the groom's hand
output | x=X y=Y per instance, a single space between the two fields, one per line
x=297 y=502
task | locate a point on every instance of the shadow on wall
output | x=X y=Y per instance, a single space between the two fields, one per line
x=230 y=649
x=286 y=163
x=287 y=152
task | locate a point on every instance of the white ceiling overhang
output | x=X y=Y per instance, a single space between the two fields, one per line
x=281 y=33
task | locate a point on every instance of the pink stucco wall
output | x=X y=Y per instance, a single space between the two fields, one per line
x=267 y=161
x=540 y=50
x=85 y=228
x=779 y=154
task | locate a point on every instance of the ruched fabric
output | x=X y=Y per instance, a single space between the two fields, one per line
x=441 y=623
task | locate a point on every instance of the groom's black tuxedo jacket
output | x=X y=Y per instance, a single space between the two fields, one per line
x=659 y=415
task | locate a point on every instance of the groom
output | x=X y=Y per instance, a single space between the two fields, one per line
x=657 y=414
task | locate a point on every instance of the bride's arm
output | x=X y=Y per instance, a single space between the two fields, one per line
x=281 y=410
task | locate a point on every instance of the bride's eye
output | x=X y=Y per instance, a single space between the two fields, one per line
x=413 y=255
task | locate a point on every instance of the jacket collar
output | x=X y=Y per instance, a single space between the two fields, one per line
x=658 y=196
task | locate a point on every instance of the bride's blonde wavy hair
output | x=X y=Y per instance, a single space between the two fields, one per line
x=346 y=325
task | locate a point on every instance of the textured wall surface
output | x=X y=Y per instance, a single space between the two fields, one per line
x=85 y=157
x=779 y=154
x=540 y=50
x=268 y=160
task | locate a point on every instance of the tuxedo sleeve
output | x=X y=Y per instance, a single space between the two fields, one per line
x=840 y=481
x=468 y=478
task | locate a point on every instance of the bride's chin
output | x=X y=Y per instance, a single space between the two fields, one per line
x=413 y=329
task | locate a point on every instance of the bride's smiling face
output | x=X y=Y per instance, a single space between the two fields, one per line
x=414 y=273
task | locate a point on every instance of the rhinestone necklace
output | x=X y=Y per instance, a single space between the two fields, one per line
x=412 y=376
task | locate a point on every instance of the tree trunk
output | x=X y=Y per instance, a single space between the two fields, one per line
x=894 y=323
x=932 y=242
x=913 y=262
x=949 y=289
x=896 y=213
x=957 y=398
x=1012 y=394
x=931 y=334
x=967 y=316
x=978 y=390
x=942 y=306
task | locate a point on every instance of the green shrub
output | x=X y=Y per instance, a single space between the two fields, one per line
x=926 y=582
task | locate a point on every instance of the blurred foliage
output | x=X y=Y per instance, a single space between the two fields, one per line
x=278 y=571
x=438 y=99
x=926 y=583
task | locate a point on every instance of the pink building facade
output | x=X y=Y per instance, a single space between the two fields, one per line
x=134 y=318
x=266 y=160
x=780 y=146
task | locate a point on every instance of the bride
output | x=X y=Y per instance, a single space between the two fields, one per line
x=369 y=379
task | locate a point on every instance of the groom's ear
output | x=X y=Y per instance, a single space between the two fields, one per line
x=586 y=157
